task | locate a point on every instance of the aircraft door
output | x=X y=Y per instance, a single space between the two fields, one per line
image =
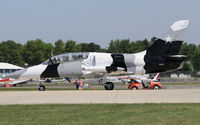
x=93 y=61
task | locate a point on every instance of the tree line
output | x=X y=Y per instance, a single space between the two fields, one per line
x=34 y=52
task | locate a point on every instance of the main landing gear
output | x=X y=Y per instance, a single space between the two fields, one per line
x=107 y=85
x=42 y=88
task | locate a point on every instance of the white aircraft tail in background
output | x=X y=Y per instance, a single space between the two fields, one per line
x=13 y=82
x=156 y=77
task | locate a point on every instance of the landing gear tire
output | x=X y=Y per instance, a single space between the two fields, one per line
x=109 y=86
x=156 y=87
x=41 y=88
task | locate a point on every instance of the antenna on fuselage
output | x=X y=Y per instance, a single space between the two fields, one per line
x=51 y=53
x=50 y=59
x=70 y=57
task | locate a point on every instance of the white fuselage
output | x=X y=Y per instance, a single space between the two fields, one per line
x=94 y=63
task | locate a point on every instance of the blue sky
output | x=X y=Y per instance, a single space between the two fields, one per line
x=96 y=21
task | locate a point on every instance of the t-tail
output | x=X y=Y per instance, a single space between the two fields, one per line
x=156 y=77
x=163 y=54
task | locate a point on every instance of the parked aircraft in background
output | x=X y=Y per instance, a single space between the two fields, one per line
x=162 y=56
x=8 y=82
x=13 y=82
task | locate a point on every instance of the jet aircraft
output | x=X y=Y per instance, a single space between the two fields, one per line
x=162 y=56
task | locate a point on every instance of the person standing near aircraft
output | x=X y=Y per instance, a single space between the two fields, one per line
x=79 y=84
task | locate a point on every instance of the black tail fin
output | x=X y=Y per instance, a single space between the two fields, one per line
x=162 y=55
x=171 y=42
x=162 y=48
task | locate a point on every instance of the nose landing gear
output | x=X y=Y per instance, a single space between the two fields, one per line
x=41 y=88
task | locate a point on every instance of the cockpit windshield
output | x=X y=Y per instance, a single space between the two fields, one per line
x=67 y=57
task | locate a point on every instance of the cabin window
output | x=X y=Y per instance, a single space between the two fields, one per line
x=68 y=57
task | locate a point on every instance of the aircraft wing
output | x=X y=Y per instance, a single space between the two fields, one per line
x=14 y=81
x=48 y=80
x=19 y=81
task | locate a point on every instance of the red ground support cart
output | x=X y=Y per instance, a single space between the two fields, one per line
x=136 y=85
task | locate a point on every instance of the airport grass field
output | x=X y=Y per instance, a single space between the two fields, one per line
x=101 y=114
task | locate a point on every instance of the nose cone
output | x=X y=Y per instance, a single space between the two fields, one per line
x=16 y=74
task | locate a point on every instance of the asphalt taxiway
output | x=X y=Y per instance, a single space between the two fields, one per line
x=100 y=96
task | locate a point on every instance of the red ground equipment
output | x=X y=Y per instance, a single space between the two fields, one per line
x=136 y=85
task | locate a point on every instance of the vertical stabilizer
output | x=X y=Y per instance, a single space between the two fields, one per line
x=171 y=42
x=163 y=53
x=156 y=77
x=176 y=31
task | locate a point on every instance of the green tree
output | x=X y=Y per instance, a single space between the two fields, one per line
x=11 y=52
x=71 y=46
x=59 y=47
x=187 y=49
x=37 y=51
x=90 y=47
x=94 y=47
x=195 y=59
x=114 y=46
x=184 y=49
x=125 y=46
x=111 y=48
x=49 y=50
x=84 y=47
x=153 y=39
x=188 y=66
x=190 y=50
x=139 y=46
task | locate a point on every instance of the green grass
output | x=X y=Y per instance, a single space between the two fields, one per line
x=101 y=114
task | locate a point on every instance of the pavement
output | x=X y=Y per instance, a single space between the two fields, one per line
x=117 y=87
x=100 y=96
